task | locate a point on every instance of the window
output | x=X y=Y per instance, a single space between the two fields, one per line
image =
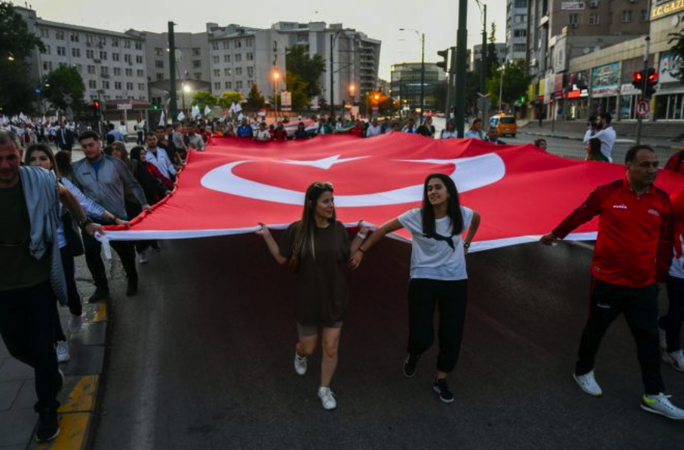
x=519 y=33
x=141 y=86
x=89 y=39
x=198 y=76
x=129 y=86
x=238 y=57
x=59 y=35
x=227 y=71
x=197 y=63
x=226 y=58
x=92 y=84
x=73 y=37
x=47 y=66
x=104 y=71
x=128 y=58
x=238 y=85
x=196 y=51
x=158 y=51
x=117 y=85
x=90 y=54
x=76 y=52
x=217 y=72
x=129 y=72
x=519 y=47
x=238 y=71
x=520 y=4
x=140 y=73
x=574 y=19
x=105 y=84
x=594 y=19
x=215 y=59
x=62 y=64
x=250 y=72
x=226 y=45
x=520 y=18
x=139 y=59
x=91 y=70
x=103 y=55
x=44 y=32
x=138 y=45
x=117 y=71
x=46 y=50
x=127 y=44
x=238 y=43
x=249 y=56
x=160 y=76
x=227 y=84
x=217 y=85
x=250 y=42
x=61 y=51
x=250 y=82
x=115 y=42
x=102 y=41
x=214 y=45
x=627 y=16
x=116 y=56
x=644 y=15
x=159 y=64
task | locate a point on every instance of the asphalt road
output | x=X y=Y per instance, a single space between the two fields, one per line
x=202 y=358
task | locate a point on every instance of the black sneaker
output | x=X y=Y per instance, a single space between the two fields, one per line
x=410 y=365
x=101 y=294
x=442 y=389
x=48 y=425
x=132 y=288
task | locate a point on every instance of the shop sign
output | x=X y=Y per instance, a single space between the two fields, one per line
x=605 y=80
x=669 y=65
x=572 y=6
x=666 y=8
x=629 y=89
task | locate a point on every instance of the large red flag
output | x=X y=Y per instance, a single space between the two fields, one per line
x=520 y=191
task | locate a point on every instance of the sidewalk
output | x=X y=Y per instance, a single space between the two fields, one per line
x=79 y=395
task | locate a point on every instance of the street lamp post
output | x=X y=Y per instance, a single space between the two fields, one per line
x=186 y=89
x=421 y=36
x=276 y=76
x=502 y=69
x=352 y=88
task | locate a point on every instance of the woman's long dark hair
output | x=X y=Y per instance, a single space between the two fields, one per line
x=41 y=148
x=453 y=207
x=304 y=238
x=595 y=150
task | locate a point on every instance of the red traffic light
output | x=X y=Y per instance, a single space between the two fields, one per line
x=96 y=104
x=653 y=78
x=637 y=76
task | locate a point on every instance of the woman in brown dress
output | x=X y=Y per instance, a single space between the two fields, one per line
x=317 y=248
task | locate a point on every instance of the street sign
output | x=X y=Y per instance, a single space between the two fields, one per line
x=285 y=101
x=643 y=108
x=124 y=106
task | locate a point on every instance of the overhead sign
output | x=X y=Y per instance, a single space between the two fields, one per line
x=572 y=6
x=643 y=108
x=667 y=8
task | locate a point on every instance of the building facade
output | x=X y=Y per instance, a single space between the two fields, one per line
x=405 y=84
x=516 y=29
x=476 y=54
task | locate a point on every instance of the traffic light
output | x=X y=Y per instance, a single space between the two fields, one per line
x=444 y=65
x=651 y=81
x=96 y=107
x=522 y=100
x=638 y=79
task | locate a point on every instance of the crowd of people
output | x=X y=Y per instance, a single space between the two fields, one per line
x=52 y=208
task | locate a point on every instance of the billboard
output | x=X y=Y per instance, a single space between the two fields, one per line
x=605 y=80
x=669 y=65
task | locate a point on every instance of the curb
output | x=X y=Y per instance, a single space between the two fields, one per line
x=79 y=398
x=673 y=148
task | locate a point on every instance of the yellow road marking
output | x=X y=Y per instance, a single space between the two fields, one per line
x=82 y=396
x=101 y=313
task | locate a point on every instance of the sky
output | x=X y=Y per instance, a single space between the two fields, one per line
x=381 y=20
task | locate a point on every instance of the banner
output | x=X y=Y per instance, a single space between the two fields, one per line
x=520 y=191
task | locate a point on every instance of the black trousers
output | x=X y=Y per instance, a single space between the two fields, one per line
x=450 y=299
x=126 y=253
x=640 y=307
x=27 y=324
x=672 y=321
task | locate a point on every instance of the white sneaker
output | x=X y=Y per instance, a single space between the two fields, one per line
x=327 y=398
x=63 y=351
x=588 y=384
x=142 y=257
x=675 y=359
x=659 y=404
x=75 y=323
x=300 y=364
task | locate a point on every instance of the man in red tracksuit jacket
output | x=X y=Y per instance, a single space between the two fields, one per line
x=632 y=256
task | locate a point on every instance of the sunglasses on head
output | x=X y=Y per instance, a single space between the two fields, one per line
x=324 y=185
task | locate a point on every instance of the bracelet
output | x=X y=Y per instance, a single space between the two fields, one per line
x=362 y=250
x=466 y=245
x=363 y=236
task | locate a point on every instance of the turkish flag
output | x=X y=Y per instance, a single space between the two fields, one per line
x=521 y=192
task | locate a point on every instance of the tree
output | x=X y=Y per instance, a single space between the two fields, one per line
x=677 y=53
x=202 y=99
x=255 y=99
x=515 y=83
x=297 y=89
x=17 y=43
x=227 y=99
x=492 y=56
x=64 y=88
x=305 y=69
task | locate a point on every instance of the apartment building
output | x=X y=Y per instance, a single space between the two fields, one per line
x=516 y=29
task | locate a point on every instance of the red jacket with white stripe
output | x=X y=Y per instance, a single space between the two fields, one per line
x=635 y=236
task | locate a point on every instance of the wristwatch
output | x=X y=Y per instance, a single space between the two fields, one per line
x=85 y=223
x=466 y=245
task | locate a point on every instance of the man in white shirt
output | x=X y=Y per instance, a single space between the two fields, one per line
x=158 y=157
x=373 y=128
x=606 y=134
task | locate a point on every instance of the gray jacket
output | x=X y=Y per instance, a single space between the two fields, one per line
x=106 y=187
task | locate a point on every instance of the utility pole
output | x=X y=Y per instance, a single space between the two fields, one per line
x=644 y=81
x=483 y=61
x=173 y=101
x=422 y=80
x=461 y=45
x=332 y=74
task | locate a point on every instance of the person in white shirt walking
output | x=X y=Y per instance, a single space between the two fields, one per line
x=158 y=157
x=373 y=128
x=604 y=132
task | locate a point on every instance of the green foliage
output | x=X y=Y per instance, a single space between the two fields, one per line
x=17 y=91
x=202 y=99
x=492 y=63
x=255 y=99
x=515 y=83
x=301 y=67
x=62 y=83
x=472 y=88
x=678 y=51
x=297 y=88
x=227 y=99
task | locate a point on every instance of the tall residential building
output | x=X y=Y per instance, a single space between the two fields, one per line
x=405 y=84
x=516 y=29
x=112 y=65
x=477 y=54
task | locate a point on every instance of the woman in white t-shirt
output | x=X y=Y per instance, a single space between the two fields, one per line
x=438 y=273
